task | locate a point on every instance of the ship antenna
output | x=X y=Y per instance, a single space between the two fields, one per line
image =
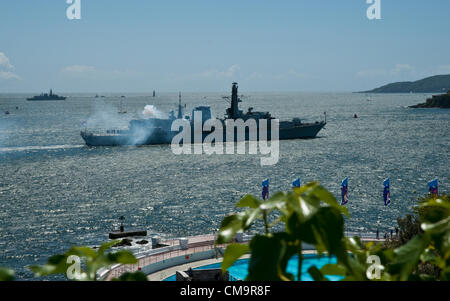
x=180 y=113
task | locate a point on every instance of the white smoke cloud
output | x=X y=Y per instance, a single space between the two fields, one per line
x=106 y=117
x=150 y=111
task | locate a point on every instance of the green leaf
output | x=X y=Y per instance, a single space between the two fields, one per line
x=250 y=217
x=233 y=253
x=428 y=256
x=6 y=274
x=107 y=245
x=266 y=254
x=445 y=274
x=328 y=228
x=122 y=257
x=56 y=264
x=136 y=276
x=436 y=202
x=291 y=248
x=83 y=252
x=249 y=201
x=441 y=226
x=333 y=269
x=278 y=201
x=301 y=190
x=303 y=231
x=326 y=197
x=407 y=256
x=231 y=225
x=316 y=274
x=93 y=261
x=305 y=206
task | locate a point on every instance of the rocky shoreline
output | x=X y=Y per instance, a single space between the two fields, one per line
x=437 y=101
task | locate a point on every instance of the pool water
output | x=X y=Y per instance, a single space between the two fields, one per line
x=239 y=269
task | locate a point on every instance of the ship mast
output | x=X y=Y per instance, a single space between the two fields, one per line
x=180 y=109
x=234 y=109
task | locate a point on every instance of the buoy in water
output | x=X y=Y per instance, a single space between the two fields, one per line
x=356 y=116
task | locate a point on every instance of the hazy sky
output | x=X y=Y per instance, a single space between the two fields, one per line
x=204 y=45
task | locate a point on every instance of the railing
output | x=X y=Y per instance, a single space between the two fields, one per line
x=196 y=244
x=147 y=256
x=156 y=258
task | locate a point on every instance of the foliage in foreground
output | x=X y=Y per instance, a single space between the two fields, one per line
x=92 y=260
x=311 y=215
x=6 y=274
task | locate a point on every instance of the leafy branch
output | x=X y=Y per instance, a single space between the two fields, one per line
x=311 y=215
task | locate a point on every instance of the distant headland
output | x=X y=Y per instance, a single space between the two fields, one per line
x=437 y=101
x=433 y=84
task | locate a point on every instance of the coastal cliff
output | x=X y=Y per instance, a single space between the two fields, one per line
x=437 y=101
x=433 y=84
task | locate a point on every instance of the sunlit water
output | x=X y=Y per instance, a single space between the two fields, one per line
x=55 y=192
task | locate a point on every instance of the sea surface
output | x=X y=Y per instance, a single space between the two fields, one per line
x=56 y=192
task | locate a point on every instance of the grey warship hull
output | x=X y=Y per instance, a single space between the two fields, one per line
x=123 y=139
x=158 y=131
x=47 y=97
x=304 y=131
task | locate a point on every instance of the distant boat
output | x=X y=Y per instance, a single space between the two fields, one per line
x=45 y=97
x=6 y=112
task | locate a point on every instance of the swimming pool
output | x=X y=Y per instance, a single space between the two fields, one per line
x=240 y=268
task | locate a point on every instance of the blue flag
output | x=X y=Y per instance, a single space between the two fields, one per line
x=433 y=187
x=387 y=192
x=344 y=192
x=296 y=183
x=265 y=189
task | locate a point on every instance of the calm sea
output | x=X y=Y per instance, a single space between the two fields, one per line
x=55 y=192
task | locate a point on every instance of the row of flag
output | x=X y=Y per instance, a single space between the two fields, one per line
x=432 y=188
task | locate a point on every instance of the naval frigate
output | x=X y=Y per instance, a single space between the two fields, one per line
x=159 y=130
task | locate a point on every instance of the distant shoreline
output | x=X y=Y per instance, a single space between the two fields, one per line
x=433 y=84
